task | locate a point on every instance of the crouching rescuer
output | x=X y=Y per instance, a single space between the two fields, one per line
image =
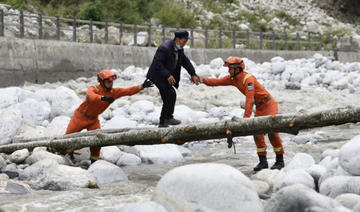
x=265 y=104
x=98 y=98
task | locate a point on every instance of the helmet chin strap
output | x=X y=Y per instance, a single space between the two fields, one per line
x=103 y=85
x=236 y=72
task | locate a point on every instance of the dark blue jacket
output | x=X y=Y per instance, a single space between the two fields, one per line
x=163 y=64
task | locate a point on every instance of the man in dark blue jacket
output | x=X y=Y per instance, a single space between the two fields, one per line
x=164 y=72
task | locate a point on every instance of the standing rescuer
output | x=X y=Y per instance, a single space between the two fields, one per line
x=164 y=72
x=98 y=98
x=256 y=94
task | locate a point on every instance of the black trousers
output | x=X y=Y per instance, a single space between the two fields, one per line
x=168 y=96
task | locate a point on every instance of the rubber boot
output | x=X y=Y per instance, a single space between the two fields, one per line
x=279 y=163
x=263 y=164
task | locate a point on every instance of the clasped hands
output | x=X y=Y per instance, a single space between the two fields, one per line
x=194 y=79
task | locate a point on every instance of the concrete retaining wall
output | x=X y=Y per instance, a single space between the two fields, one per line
x=42 y=61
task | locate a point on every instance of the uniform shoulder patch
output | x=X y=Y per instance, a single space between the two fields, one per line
x=250 y=86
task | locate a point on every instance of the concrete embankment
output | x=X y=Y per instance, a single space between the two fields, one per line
x=40 y=61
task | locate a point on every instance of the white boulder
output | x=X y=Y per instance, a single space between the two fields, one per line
x=10 y=124
x=12 y=95
x=216 y=63
x=348 y=200
x=19 y=155
x=49 y=175
x=206 y=187
x=334 y=186
x=127 y=159
x=110 y=153
x=159 y=154
x=34 y=112
x=300 y=161
x=299 y=198
x=106 y=172
x=292 y=177
x=268 y=175
x=350 y=157
x=38 y=155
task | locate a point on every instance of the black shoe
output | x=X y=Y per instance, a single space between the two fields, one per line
x=279 y=163
x=263 y=164
x=163 y=125
x=172 y=121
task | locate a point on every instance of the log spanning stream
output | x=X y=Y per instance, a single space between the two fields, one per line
x=286 y=123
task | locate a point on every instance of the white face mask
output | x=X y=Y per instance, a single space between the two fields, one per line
x=178 y=47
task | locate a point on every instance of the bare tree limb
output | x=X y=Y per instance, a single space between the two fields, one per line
x=286 y=123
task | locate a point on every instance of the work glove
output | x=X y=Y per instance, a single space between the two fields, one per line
x=107 y=99
x=147 y=83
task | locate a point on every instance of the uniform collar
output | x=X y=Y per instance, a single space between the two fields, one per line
x=239 y=75
x=102 y=89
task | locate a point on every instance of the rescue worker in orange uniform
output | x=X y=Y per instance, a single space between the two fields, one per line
x=98 y=98
x=256 y=94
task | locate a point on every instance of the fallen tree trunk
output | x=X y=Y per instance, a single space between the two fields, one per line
x=286 y=123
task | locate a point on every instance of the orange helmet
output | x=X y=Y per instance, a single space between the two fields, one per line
x=234 y=62
x=106 y=75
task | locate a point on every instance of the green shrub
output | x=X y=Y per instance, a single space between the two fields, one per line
x=176 y=16
x=284 y=16
x=218 y=6
x=93 y=11
x=16 y=4
x=330 y=38
x=255 y=20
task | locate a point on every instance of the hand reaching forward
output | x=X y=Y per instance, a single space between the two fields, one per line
x=195 y=79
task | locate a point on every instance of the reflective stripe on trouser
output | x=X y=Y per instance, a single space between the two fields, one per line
x=270 y=107
x=274 y=140
x=260 y=144
x=78 y=122
x=92 y=157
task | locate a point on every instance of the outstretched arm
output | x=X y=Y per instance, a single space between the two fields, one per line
x=119 y=92
x=217 y=82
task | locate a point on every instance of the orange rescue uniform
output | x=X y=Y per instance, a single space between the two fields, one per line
x=256 y=94
x=86 y=115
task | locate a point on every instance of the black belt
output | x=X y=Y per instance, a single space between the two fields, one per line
x=86 y=116
x=263 y=101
